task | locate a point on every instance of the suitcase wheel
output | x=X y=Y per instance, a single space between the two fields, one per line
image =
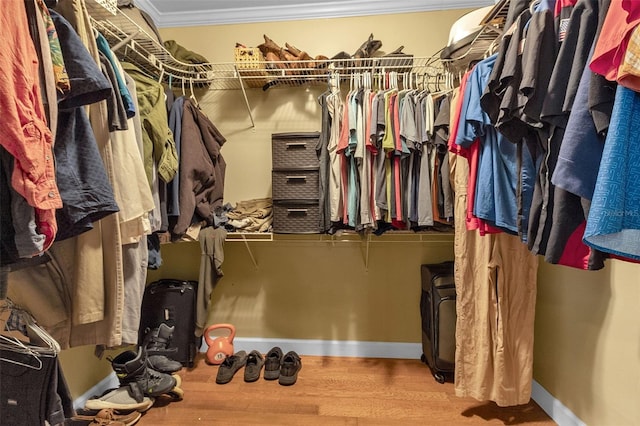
x=439 y=377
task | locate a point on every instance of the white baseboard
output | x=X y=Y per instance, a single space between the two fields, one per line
x=347 y=348
x=109 y=382
x=553 y=407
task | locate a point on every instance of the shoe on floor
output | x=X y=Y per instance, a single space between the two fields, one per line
x=109 y=416
x=255 y=361
x=272 y=363
x=230 y=366
x=291 y=364
x=119 y=399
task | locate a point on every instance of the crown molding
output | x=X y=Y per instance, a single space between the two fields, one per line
x=319 y=10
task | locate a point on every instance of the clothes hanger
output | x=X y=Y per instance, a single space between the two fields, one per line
x=192 y=96
x=36 y=337
x=161 y=74
x=15 y=345
x=533 y=5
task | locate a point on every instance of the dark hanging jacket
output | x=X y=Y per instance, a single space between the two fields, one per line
x=202 y=169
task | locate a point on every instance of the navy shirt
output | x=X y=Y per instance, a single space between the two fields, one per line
x=86 y=192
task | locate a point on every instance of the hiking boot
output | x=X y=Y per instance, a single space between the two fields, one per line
x=118 y=399
x=156 y=346
x=140 y=380
x=291 y=364
x=272 y=363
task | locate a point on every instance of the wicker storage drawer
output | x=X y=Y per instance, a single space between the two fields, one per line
x=295 y=184
x=294 y=150
x=296 y=217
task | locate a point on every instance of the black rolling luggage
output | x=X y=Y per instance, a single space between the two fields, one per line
x=438 y=312
x=174 y=303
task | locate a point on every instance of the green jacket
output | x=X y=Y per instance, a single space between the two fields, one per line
x=158 y=144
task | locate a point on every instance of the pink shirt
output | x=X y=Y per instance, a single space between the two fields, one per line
x=623 y=16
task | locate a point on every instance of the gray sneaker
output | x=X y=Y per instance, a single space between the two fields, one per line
x=255 y=361
x=291 y=364
x=230 y=366
x=272 y=363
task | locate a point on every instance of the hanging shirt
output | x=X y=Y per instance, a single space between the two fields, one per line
x=495 y=198
x=622 y=17
x=86 y=191
x=159 y=147
x=335 y=106
x=613 y=224
x=175 y=125
x=24 y=132
x=121 y=86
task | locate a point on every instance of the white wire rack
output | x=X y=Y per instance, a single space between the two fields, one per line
x=492 y=28
x=135 y=44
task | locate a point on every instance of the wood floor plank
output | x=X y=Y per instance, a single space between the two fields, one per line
x=333 y=391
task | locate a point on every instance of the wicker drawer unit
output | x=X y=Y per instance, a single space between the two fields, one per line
x=295 y=183
x=296 y=217
x=294 y=150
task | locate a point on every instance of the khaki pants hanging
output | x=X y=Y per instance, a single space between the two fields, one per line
x=496 y=292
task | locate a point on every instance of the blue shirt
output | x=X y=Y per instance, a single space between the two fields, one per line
x=613 y=225
x=496 y=200
x=85 y=189
x=581 y=149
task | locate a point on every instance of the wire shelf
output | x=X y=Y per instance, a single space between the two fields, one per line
x=134 y=44
x=492 y=28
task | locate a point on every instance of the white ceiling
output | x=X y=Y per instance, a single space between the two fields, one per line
x=175 y=13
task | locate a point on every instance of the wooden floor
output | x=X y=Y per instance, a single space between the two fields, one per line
x=333 y=391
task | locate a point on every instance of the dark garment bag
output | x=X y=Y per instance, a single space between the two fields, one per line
x=438 y=312
x=174 y=303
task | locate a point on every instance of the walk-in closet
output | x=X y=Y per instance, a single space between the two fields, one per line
x=306 y=212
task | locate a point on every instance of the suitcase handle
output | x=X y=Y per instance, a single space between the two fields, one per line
x=296 y=177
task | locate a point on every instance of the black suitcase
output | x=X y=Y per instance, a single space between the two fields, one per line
x=174 y=303
x=438 y=312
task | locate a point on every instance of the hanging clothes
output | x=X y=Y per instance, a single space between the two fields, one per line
x=82 y=287
x=386 y=173
x=202 y=169
x=613 y=223
x=495 y=274
x=33 y=388
x=85 y=189
x=211 y=259
x=159 y=147
x=24 y=122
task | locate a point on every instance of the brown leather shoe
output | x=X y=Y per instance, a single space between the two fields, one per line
x=269 y=46
x=111 y=417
